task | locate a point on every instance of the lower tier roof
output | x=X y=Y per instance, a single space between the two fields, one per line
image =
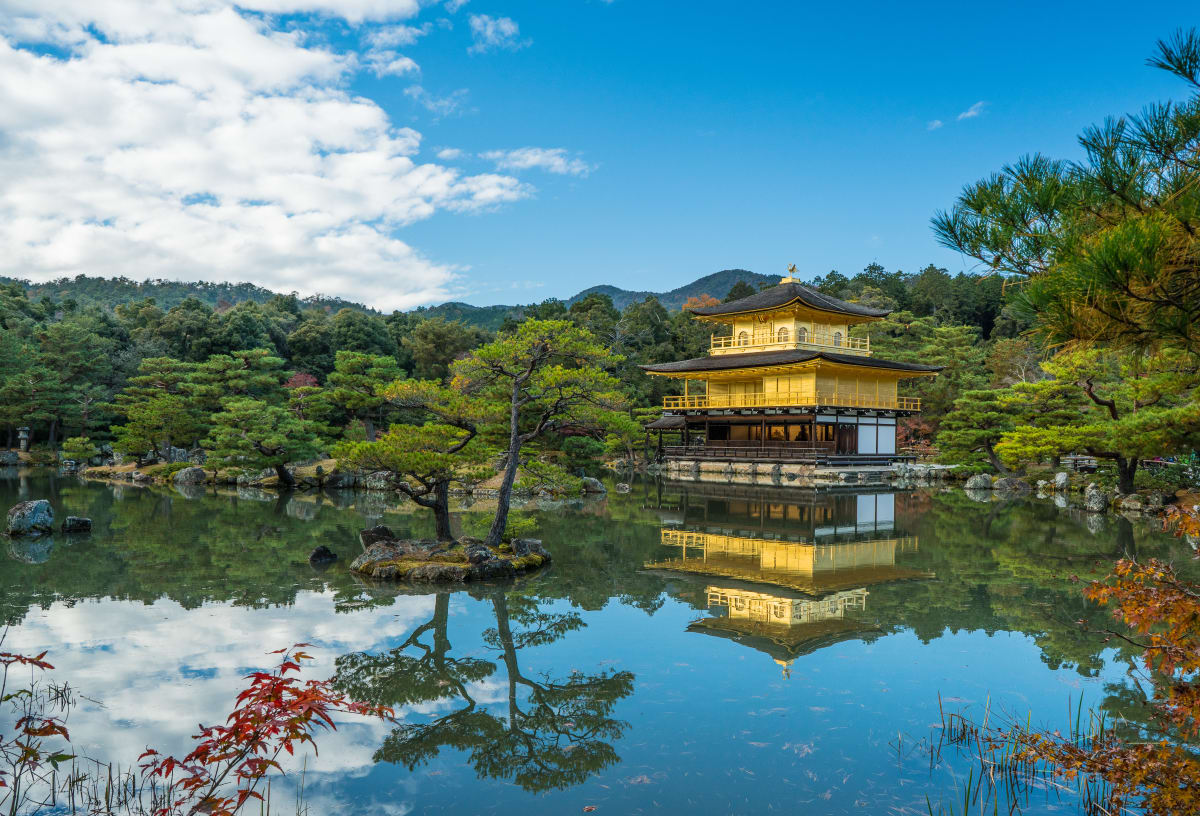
x=726 y=362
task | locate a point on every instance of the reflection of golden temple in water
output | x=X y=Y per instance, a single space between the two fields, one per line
x=793 y=570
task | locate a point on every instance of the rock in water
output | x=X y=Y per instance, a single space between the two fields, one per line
x=190 y=476
x=445 y=562
x=30 y=518
x=77 y=524
x=1061 y=481
x=591 y=485
x=624 y=488
x=980 y=481
x=322 y=556
x=1094 y=500
x=1011 y=485
x=372 y=535
x=1133 y=503
x=9 y=458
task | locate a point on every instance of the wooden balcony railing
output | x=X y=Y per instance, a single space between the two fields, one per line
x=791 y=399
x=774 y=341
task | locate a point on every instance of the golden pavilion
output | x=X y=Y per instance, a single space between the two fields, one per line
x=787 y=383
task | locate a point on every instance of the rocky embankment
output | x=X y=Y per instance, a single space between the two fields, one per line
x=36 y=518
x=387 y=558
x=1071 y=490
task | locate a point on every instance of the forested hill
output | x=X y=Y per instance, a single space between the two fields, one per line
x=110 y=292
x=717 y=285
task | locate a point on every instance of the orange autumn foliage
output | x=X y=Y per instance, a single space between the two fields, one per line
x=1160 y=775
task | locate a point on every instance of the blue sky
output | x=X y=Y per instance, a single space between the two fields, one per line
x=661 y=141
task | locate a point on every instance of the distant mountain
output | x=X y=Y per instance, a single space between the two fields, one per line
x=717 y=284
x=485 y=317
x=109 y=292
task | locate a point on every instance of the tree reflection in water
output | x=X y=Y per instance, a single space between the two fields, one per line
x=555 y=732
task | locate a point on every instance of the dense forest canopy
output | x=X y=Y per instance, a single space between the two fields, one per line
x=71 y=358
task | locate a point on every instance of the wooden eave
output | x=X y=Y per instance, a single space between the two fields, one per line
x=752 y=372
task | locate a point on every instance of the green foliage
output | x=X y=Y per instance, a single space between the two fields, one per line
x=421 y=454
x=354 y=384
x=1108 y=245
x=250 y=434
x=909 y=339
x=431 y=345
x=582 y=454
x=1137 y=406
x=971 y=430
x=157 y=423
x=537 y=475
x=78 y=449
x=545 y=376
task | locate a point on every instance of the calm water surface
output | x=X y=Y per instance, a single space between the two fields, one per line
x=699 y=648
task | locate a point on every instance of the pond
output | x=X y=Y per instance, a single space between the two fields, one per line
x=698 y=648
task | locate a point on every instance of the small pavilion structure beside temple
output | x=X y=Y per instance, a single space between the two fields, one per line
x=786 y=385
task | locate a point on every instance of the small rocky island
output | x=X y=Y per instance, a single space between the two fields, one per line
x=385 y=557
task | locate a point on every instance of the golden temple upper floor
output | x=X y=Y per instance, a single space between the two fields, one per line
x=788 y=316
x=795 y=378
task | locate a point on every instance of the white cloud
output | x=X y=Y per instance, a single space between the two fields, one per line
x=550 y=159
x=390 y=63
x=193 y=141
x=439 y=106
x=973 y=111
x=495 y=33
x=454 y=5
x=392 y=36
x=449 y=154
x=934 y=125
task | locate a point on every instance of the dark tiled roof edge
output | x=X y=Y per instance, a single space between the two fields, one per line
x=787 y=357
x=784 y=294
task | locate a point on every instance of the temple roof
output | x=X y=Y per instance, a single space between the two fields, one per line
x=724 y=362
x=785 y=642
x=666 y=423
x=785 y=294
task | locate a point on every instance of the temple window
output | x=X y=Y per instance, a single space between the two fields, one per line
x=837 y=338
x=801 y=335
x=781 y=336
x=743 y=338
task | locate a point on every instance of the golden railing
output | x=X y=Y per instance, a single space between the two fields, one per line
x=791 y=399
x=771 y=341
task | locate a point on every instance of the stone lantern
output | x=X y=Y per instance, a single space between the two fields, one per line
x=23 y=439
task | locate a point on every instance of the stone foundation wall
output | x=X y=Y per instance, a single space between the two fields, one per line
x=771 y=473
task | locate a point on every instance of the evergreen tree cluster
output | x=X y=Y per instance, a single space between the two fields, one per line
x=144 y=375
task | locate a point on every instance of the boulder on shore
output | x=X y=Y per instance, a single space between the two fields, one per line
x=1061 y=481
x=980 y=481
x=591 y=485
x=427 y=561
x=9 y=458
x=190 y=476
x=30 y=518
x=1011 y=484
x=77 y=524
x=373 y=535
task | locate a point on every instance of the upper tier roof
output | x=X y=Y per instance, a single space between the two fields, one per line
x=725 y=362
x=785 y=294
